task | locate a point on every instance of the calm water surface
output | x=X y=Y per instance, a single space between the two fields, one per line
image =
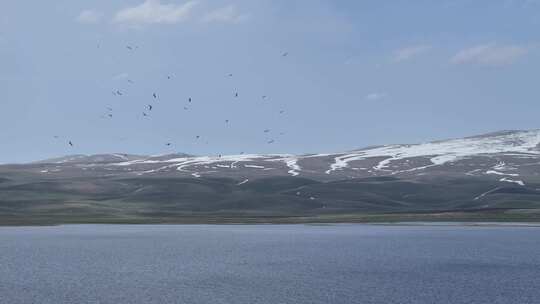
x=269 y=264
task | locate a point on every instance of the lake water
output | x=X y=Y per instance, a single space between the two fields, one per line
x=269 y=264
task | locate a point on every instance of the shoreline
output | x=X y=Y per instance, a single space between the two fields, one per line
x=499 y=218
x=479 y=224
x=416 y=224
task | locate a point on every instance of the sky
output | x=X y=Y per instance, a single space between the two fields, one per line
x=355 y=74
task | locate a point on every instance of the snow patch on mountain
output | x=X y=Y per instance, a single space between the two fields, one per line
x=292 y=163
x=486 y=193
x=500 y=173
x=504 y=179
x=442 y=152
x=243 y=182
x=254 y=166
x=121 y=156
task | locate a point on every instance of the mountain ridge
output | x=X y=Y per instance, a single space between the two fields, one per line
x=494 y=176
x=181 y=154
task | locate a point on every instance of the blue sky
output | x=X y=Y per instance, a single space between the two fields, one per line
x=357 y=73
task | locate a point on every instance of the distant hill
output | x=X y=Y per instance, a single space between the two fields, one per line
x=487 y=177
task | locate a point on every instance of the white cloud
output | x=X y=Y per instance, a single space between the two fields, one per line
x=89 y=17
x=375 y=96
x=153 y=12
x=227 y=14
x=490 y=55
x=407 y=53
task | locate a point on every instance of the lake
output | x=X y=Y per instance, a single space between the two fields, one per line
x=269 y=264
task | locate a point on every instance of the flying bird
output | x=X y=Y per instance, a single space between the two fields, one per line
x=236 y=94
x=281 y=112
x=144 y=114
x=264 y=97
x=230 y=75
x=197 y=137
x=129 y=47
x=130 y=81
x=150 y=107
x=110 y=115
x=117 y=92
x=168 y=144
x=285 y=54
x=186 y=108
x=271 y=141
x=189 y=99
x=169 y=77
x=226 y=121
x=267 y=131
x=155 y=95
x=70 y=143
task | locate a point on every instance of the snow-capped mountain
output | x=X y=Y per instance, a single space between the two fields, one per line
x=510 y=156
x=487 y=173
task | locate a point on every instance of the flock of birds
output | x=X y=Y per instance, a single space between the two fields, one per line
x=150 y=106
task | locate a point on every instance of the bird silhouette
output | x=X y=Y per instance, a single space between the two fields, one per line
x=149 y=107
